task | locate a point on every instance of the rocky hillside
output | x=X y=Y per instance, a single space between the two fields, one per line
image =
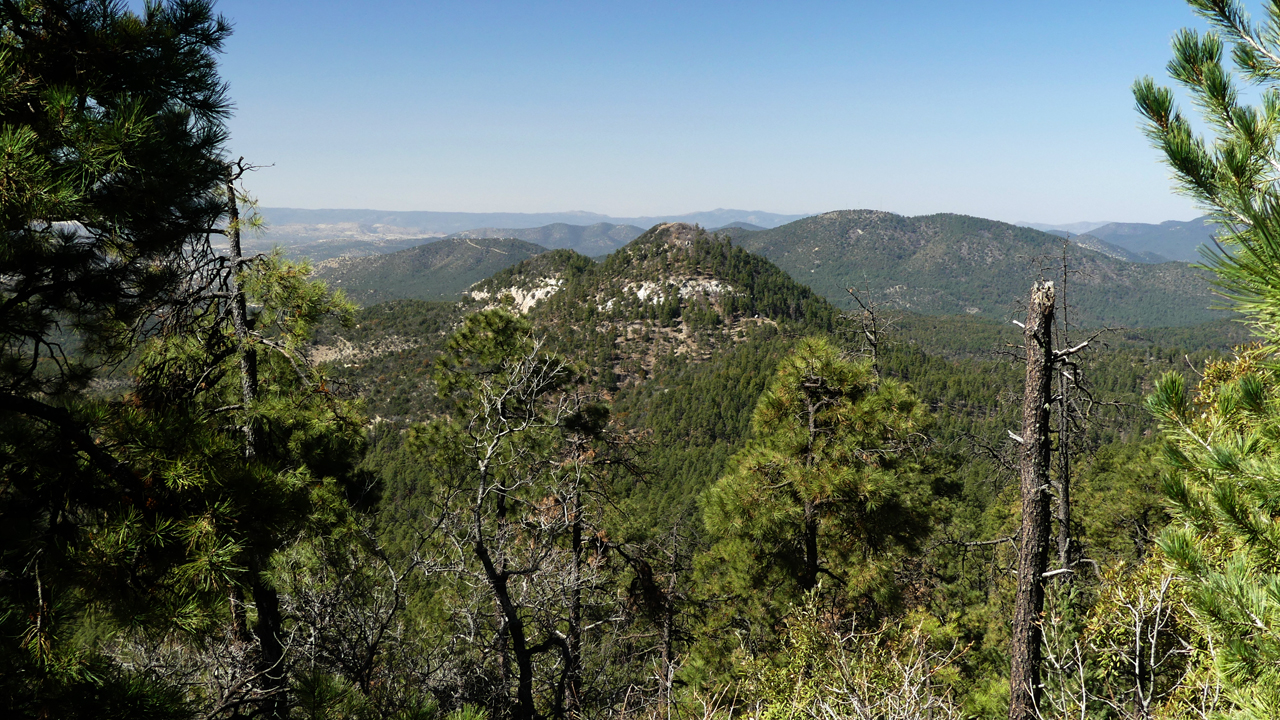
x=676 y=290
x=674 y=296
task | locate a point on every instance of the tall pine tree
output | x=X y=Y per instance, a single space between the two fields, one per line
x=834 y=487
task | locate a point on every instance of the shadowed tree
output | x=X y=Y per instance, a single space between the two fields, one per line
x=111 y=162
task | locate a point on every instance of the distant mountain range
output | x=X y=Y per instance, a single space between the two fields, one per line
x=591 y=240
x=937 y=264
x=1075 y=228
x=291 y=227
x=1174 y=239
x=951 y=264
x=1145 y=242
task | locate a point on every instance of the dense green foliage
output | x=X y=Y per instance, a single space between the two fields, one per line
x=689 y=385
x=111 y=131
x=1221 y=439
x=834 y=484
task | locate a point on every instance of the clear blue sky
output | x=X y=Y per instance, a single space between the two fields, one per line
x=1012 y=110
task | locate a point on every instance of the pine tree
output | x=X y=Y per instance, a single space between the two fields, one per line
x=111 y=135
x=834 y=486
x=289 y=479
x=519 y=466
x=1221 y=441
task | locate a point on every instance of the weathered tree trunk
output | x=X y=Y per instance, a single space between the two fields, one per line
x=809 y=575
x=268 y=630
x=239 y=618
x=1064 y=479
x=573 y=643
x=1033 y=556
x=669 y=641
x=1065 y=384
x=240 y=321
x=269 y=625
x=514 y=626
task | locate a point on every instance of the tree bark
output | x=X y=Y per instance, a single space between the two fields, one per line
x=809 y=575
x=1064 y=480
x=240 y=321
x=1064 y=438
x=268 y=630
x=1033 y=556
x=514 y=627
x=270 y=624
x=573 y=668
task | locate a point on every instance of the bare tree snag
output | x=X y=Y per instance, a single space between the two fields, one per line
x=240 y=311
x=1065 y=384
x=1033 y=556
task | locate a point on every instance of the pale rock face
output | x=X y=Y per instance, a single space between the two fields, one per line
x=653 y=292
x=525 y=298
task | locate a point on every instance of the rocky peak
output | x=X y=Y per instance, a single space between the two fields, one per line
x=676 y=234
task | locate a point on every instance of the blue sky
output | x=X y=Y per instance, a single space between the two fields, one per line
x=1008 y=110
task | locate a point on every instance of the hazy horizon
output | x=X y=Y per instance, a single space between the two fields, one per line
x=1019 y=112
x=605 y=217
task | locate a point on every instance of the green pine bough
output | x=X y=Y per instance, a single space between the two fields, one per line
x=1221 y=440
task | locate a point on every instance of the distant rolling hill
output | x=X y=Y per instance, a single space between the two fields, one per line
x=344 y=242
x=740 y=226
x=1090 y=242
x=597 y=239
x=1174 y=239
x=441 y=270
x=951 y=264
x=288 y=227
x=1065 y=230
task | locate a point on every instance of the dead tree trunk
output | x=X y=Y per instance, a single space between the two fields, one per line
x=1033 y=556
x=240 y=320
x=269 y=626
x=1065 y=384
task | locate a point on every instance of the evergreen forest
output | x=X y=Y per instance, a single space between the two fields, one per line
x=674 y=481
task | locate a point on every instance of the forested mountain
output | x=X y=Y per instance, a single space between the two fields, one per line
x=942 y=264
x=1174 y=239
x=680 y=316
x=590 y=240
x=439 y=270
x=676 y=294
x=1099 y=245
x=950 y=264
